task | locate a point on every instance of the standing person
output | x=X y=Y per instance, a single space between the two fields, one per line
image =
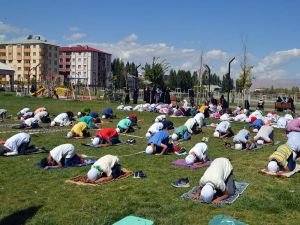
x=148 y=95
x=153 y=94
x=291 y=100
x=3 y=114
x=106 y=168
x=217 y=183
x=167 y=96
x=135 y=95
x=60 y=156
x=224 y=103
x=18 y=144
x=127 y=99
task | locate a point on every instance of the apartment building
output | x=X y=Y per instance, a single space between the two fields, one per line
x=85 y=65
x=32 y=58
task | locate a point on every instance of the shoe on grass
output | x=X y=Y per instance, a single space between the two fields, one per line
x=139 y=174
x=182 y=182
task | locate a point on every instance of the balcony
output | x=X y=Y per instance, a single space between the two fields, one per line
x=26 y=65
x=2 y=57
x=26 y=57
x=27 y=50
x=2 y=49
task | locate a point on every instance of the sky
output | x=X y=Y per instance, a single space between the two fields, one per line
x=173 y=30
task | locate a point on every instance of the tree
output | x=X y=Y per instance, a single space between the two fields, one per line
x=244 y=82
x=118 y=71
x=156 y=71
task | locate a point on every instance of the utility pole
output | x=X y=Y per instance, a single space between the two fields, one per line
x=229 y=79
x=208 y=70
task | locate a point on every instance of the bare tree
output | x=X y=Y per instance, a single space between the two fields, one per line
x=244 y=82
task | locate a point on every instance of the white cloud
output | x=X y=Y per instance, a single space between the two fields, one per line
x=276 y=59
x=74 y=36
x=216 y=54
x=2 y=37
x=131 y=38
x=7 y=28
x=74 y=29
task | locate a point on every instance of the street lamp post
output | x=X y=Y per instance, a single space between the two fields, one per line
x=229 y=64
x=208 y=70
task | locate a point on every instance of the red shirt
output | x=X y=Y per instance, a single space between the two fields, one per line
x=107 y=133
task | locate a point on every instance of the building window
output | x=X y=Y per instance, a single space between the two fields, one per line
x=26 y=68
x=68 y=60
x=19 y=61
x=26 y=46
x=61 y=66
x=34 y=53
x=79 y=53
x=79 y=73
x=50 y=55
x=79 y=67
x=79 y=59
x=60 y=60
x=2 y=61
x=27 y=54
x=18 y=46
x=68 y=53
x=19 y=68
x=73 y=60
x=19 y=54
x=73 y=66
x=55 y=63
x=9 y=53
x=9 y=61
x=34 y=61
x=84 y=67
x=26 y=61
x=67 y=66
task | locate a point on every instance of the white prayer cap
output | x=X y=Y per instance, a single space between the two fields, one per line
x=216 y=134
x=238 y=146
x=148 y=135
x=93 y=174
x=190 y=159
x=70 y=134
x=273 y=167
x=255 y=130
x=174 y=137
x=96 y=141
x=79 y=114
x=52 y=124
x=156 y=120
x=160 y=126
x=149 y=149
x=118 y=130
x=103 y=116
x=260 y=142
x=207 y=193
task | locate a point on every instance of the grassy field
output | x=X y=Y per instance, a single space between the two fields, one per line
x=30 y=195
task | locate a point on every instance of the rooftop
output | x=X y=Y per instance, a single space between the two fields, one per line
x=31 y=39
x=81 y=48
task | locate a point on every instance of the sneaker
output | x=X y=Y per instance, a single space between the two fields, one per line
x=182 y=182
x=182 y=151
x=139 y=174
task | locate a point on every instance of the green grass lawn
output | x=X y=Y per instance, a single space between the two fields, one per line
x=44 y=198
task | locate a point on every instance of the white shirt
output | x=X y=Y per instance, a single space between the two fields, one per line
x=30 y=121
x=240 y=117
x=217 y=173
x=224 y=117
x=62 y=119
x=200 y=150
x=106 y=163
x=281 y=122
x=199 y=117
x=155 y=127
x=257 y=114
x=24 y=110
x=241 y=136
x=264 y=133
x=223 y=127
x=189 y=124
x=160 y=118
x=294 y=141
x=62 y=151
x=14 y=142
x=40 y=115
